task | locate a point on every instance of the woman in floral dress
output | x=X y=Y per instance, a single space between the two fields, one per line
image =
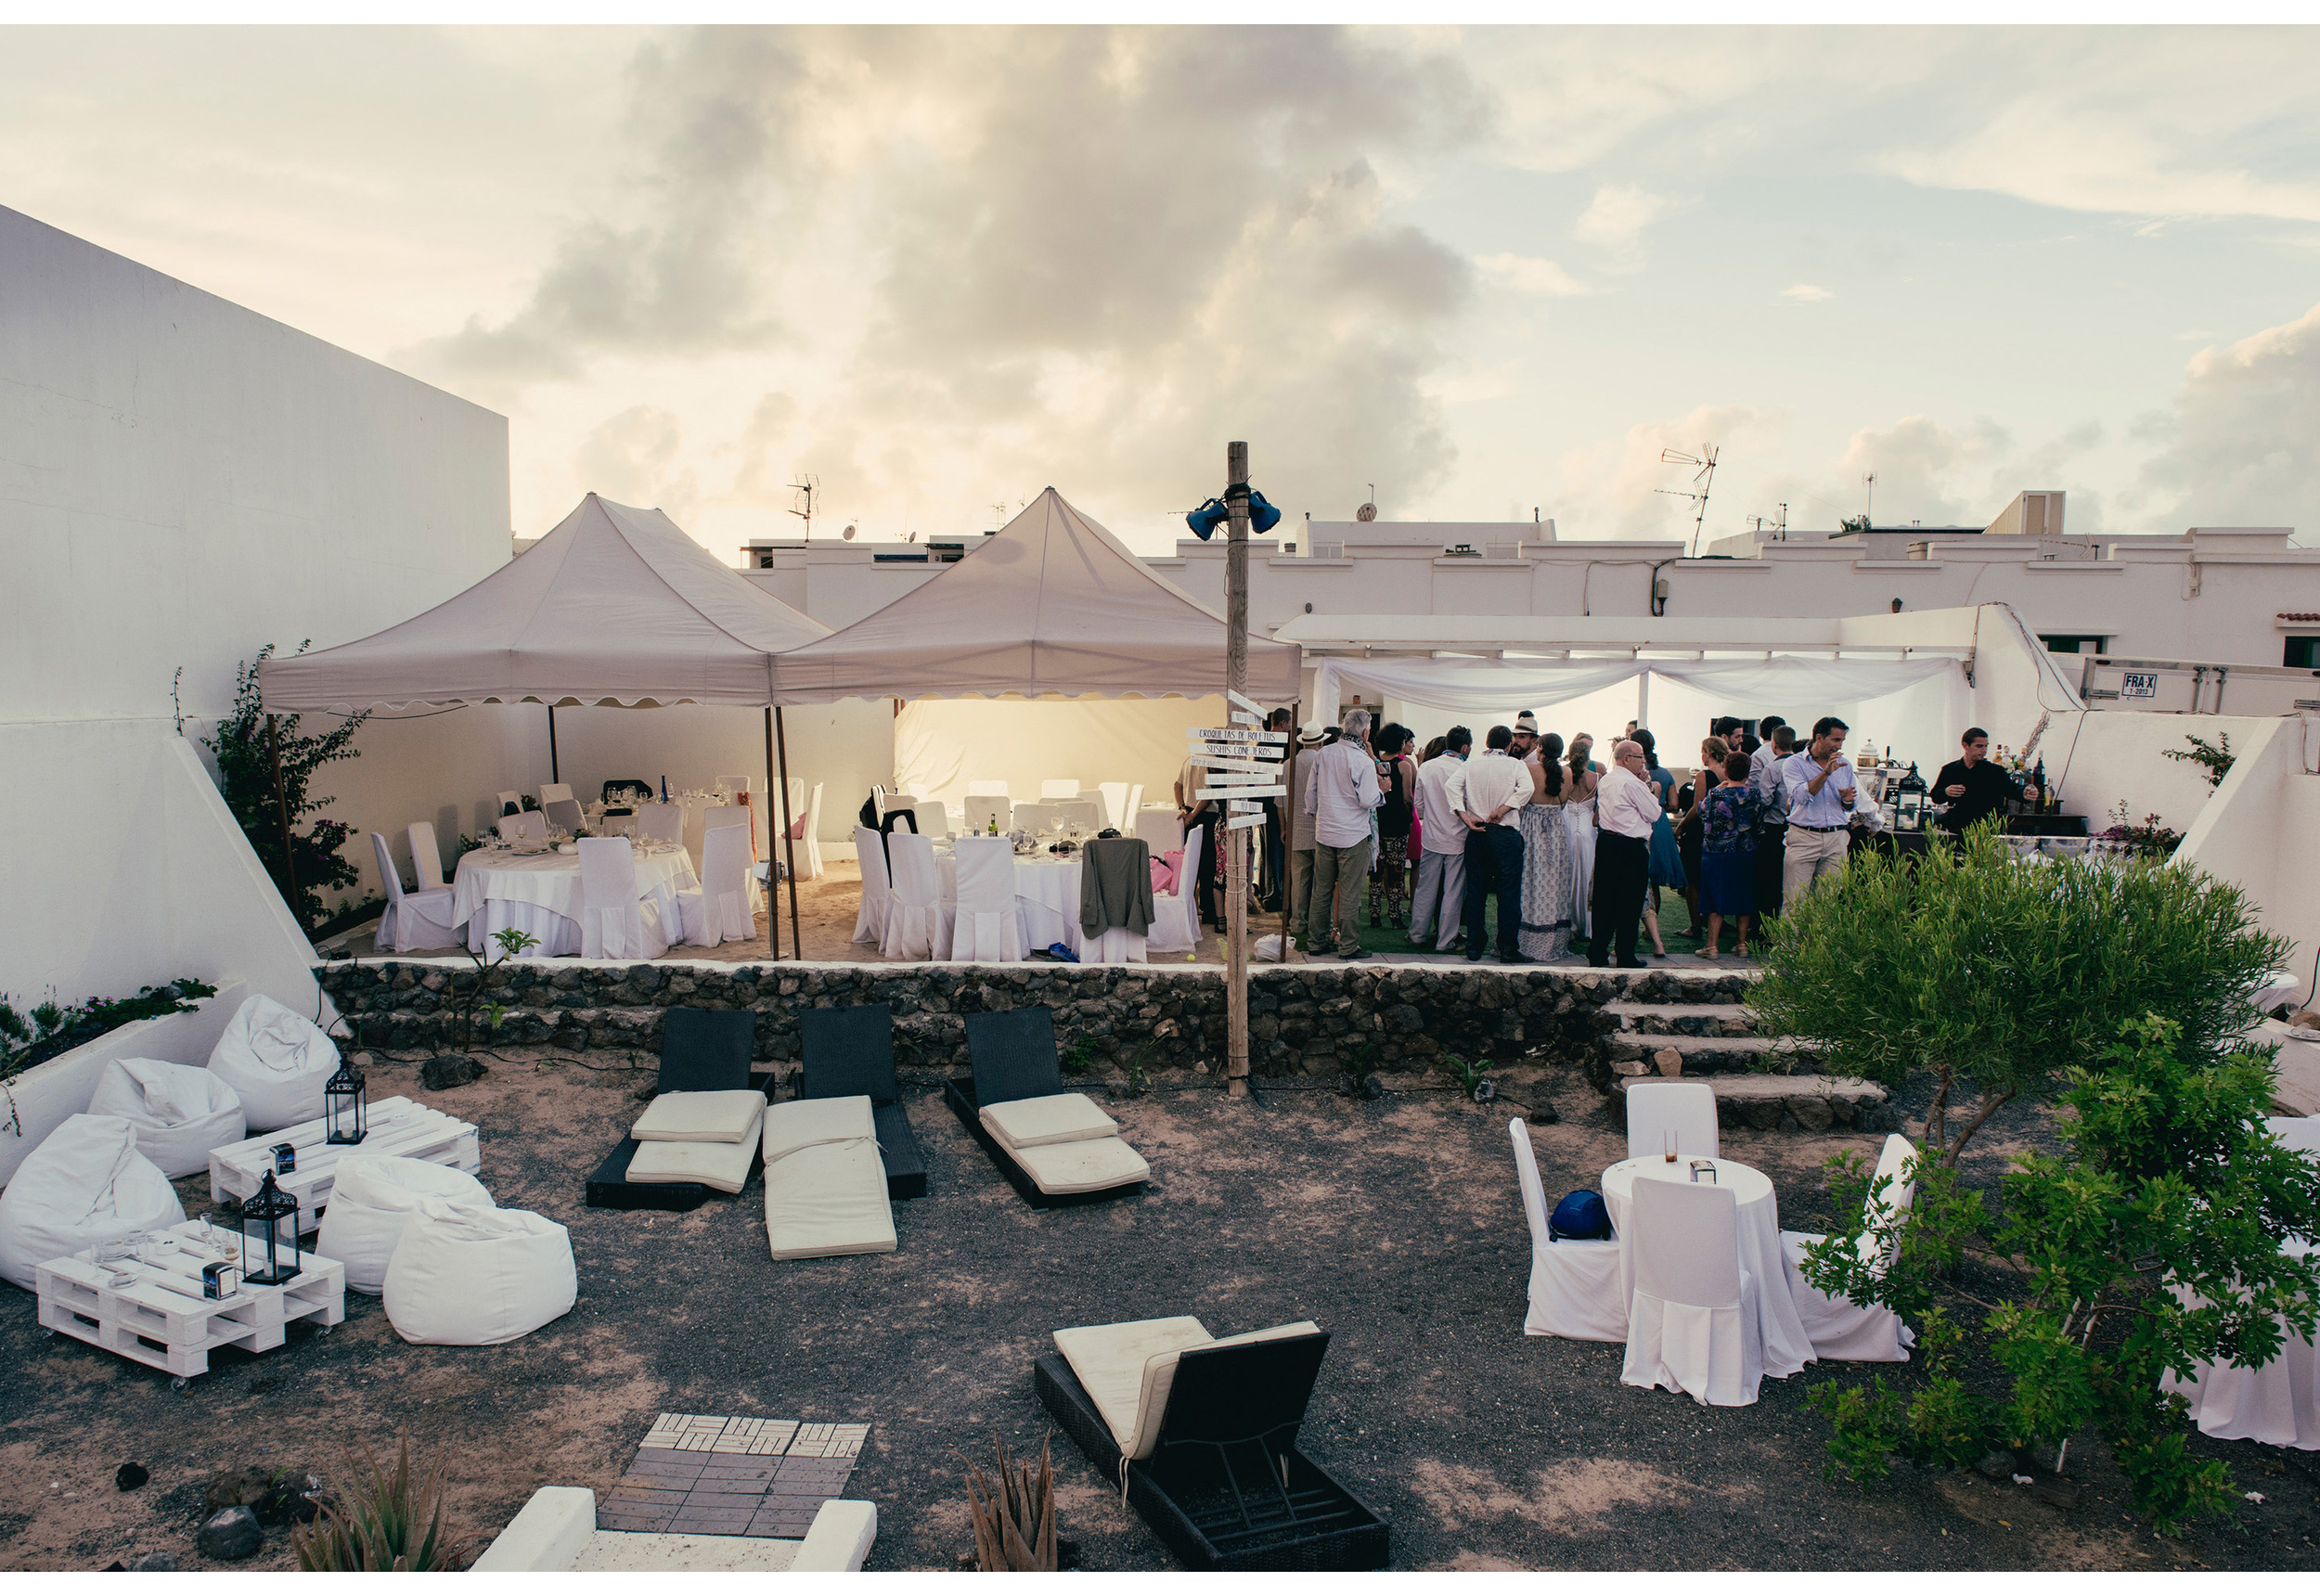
x=1546 y=929
x=1727 y=818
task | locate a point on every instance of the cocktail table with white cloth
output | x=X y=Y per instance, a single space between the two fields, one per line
x=496 y=889
x=1787 y=1348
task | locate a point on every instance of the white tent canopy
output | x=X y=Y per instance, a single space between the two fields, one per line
x=616 y=606
x=1050 y=603
x=1454 y=683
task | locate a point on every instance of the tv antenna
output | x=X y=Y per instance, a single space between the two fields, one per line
x=999 y=515
x=802 y=494
x=1774 y=527
x=1703 y=478
x=1368 y=506
x=1869 y=499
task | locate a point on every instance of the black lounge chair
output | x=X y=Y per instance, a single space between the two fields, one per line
x=702 y=1050
x=1225 y=1485
x=1015 y=1061
x=850 y=1052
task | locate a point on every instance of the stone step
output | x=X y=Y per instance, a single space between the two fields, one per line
x=1791 y=1102
x=1644 y=1053
x=1682 y=1019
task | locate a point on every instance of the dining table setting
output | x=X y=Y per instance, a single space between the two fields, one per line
x=533 y=886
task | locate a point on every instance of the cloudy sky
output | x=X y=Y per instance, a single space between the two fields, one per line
x=1483 y=269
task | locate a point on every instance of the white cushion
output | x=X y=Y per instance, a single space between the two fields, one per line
x=1062 y=1169
x=1128 y=1369
x=1041 y=1121
x=181 y=1110
x=807 y=1121
x=276 y=1060
x=827 y=1201
x=86 y=1183
x=372 y=1196
x=722 y=1164
x=468 y=1274
x=701 y=1116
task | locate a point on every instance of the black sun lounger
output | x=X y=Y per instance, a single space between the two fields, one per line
x=1015 y=1061
x=1226 y=1487
x=850 y=1052
x=702 y=1050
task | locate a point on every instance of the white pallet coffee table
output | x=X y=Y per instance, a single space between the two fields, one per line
x=397 y=1129
x=162 y=1320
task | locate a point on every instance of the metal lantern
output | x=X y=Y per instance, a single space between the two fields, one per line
x=345 y=1107
x=269 y=1235
x=1909 y=803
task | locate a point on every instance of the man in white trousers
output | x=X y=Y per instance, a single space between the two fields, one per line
x=1440 y=901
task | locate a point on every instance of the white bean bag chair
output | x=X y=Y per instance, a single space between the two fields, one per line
x=181 y=1110
x=468 y=1274
x=370 y=1197
x=276 y=1060
x=87 y=1183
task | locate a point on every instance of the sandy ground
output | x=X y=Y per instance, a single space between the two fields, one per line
x=1395 y=1224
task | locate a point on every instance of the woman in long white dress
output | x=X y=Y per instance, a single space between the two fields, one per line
x=1579 y=818
x=1546 y=929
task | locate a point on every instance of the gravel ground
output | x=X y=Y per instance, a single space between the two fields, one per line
x=1395 y=1224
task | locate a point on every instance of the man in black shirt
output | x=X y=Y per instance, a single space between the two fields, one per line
x=1972 y=786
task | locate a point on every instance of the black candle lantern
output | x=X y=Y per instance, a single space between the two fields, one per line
x=1909 y=808
x=345 y=1107
x=269 y=1235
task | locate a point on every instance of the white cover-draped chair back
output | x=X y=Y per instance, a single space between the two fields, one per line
x=723 y=815
x=1686 y=1108
x=507 y=801
x=869 y=925
x=1060 y=787
x=1035 y=818
x=614 y=922
x=1840 y=1329
x=933 y=818
x=720 y=911
x=918 y=922
x=1161 y=828
x=984 y=812
x=986 y=788
x=1079 y=812
x=1692 y=1321
x=531 y=824
x=732 y=786
x=565 y=816
x=806 y=828
x=1176 y=916
x=989 y=928
x=426 y=856
x=1574 y=1284
x=410 y=919
x=1114 y=796
x=554 y=791
x=661 y=822
x=1128 y=807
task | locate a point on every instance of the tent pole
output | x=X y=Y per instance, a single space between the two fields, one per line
x=281 y=806
x=773 y=887
x=788 y=844
x=554 y=773
x=1236 y=837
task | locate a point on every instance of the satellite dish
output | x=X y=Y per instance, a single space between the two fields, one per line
x=848 y=533
x=910 y=537
x=1369 y=511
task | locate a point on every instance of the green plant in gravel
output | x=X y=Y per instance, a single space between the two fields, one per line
x=1081 y=1057
x=465 y=993
x=2150 y=1245
x=2004 y=974
x=1468 y=1071
x=245 y=777
x=381 y=1522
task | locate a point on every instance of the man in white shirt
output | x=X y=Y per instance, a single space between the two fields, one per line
x=1441 y=897
x=1626 y=807
x=1772 y=825
x=1340 y=788
x=1820 y=787
x=1493 y=788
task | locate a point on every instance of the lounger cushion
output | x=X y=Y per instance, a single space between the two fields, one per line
x=721 y=1165
x=1128 y=1369
x=701 y=1116
x=1044 y=1120
x=825 y=1184
x=1063 y=1168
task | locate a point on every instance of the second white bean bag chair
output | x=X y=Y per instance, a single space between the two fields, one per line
x=181 y=1110
x=276 y=1060
x=468 y=1274
x=370 y=1199
x=87 y=1183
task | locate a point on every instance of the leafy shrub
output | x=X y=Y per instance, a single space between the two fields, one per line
x=245 y=774
x=2214 y=759
x=51 y=1029
x=2151 y=840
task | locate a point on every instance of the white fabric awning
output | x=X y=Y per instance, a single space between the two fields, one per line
x=1050 y=603
x=616 y=605
x=1455 y=683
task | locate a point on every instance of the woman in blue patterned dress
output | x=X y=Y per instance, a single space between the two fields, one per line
x=1728 y=817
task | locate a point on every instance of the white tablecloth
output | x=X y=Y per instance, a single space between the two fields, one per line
x=540 y=894
x=2278 y=1404
x=1787 y=1348
x=1047 y=897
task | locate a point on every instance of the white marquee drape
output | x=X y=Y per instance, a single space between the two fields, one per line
x=1457 y=683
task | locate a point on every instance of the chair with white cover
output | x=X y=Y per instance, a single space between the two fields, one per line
x=411 y=920
x=1574 y=1283
x=1687 y=1108
x=1115 y=797
x=426 y=855
x=806 y=829
x=1176 y=916
x=1061 y=787
x=2300 y=1135
x=661 y=823
x=986 y=788
x=988 y=928
x=723 y=815
x=918 y=922
x=614 y=922
x=1840 y=1328
x=1079 y=812
x=989 y=815
x=555 y=791
x=1129 y=808
x=1036 y=818
x=732 y=786
x=510 y=804
x=1124 y=861
x=1692 y=1321
x=1161 y=828
x=720 y=911
x=531 y=825
x=870 y=850
x=933 y=817
x=565 y=815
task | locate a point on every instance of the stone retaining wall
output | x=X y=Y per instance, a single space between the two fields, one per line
x=1313 y=1019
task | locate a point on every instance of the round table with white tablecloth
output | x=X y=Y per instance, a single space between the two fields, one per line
x=1786 y=1347
x=494 y=890
x=1047 y=895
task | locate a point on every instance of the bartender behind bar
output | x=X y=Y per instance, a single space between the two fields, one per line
x=1972 y=786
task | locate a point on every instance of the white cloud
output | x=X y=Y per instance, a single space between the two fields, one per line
x=1614 y=221
x=1611 y=488
x=1807 y=293
x=2237 y=447
x=1530 y=275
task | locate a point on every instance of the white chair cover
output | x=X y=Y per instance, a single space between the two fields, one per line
x=987 y=928
x=508 y=798
x=933 y=818
x=426 y=855
x=1035 y=818
x=1176 y=916
x=720 y=911
x=180 y=1112
x=85 y=1183
x=918 y=922
x=661 y=822
x=412 y=920
x=1842 y=1328
x=1079 y=812
x=1114 y=796
x=986 y=788
x=1117 y=946
x=985 y=813
x=1692 y=1324
x=1687 y=1108
x=531 y=825
x=553 y=791
x=2278 y=1404
x=1130 y=807
x=1061 y=787
x=1574 y=1286
x=723 y=815
x=869 y=925
x=566 y=815
x=2302 y=1135
x=613 y=923
x=1160 y=829
x=805 y=829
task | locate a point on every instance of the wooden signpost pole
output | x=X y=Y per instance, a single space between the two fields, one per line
x=1237 y=843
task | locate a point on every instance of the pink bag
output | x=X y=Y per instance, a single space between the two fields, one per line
x=1164 y=872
